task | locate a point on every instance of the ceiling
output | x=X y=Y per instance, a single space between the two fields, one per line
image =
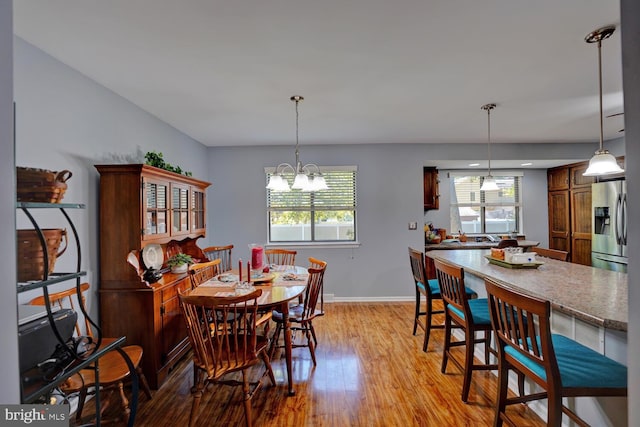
x=371 y=71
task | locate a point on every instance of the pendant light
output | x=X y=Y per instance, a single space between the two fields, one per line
x=602 y=163
x=489 y=183
x=307 y=177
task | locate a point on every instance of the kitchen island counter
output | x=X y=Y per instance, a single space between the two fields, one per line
x=593 y=295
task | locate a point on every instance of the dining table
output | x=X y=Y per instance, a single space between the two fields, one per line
x=282 y=284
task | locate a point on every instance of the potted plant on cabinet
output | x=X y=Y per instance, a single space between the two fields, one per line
x=179 y=263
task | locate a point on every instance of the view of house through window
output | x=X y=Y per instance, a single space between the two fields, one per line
x=320 y=216
x=475 y=211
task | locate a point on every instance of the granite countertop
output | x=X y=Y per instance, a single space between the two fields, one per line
x=474 y=245
x=594 y=295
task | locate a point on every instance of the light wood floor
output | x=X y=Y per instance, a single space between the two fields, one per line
x=371 y=372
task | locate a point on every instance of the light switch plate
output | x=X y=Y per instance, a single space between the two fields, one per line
x=413 y=225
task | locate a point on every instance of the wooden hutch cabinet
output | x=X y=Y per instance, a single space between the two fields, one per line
x=142 y=205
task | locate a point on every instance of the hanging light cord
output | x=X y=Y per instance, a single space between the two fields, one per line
x=297 y=99
x=488 y=108
x=600 y=90
x=489 y=137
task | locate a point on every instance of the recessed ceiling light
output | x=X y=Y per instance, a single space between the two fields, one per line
x=474 y=164
x=526 y=164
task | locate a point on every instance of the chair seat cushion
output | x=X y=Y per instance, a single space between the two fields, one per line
x=479 y=311
x=435 y=289
x=579 y=366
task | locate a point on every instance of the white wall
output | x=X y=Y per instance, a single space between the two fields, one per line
x=66 y=121
x=630 y=13
x=10 y=391
x=389 y=196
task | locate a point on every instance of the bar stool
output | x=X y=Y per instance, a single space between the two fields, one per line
x=559 y=365
x=469 y=315
x=430 y=289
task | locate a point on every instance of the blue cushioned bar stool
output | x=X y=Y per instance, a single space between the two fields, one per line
x=430 y=289
x=470 y=315
x=559 y=365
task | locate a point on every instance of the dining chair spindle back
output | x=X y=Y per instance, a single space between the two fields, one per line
x=201 y=272
x=280 y=256
x=220 y=349
x=302 y=315
x=223 y=253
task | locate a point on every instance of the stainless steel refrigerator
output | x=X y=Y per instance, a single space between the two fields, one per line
x=609 y=228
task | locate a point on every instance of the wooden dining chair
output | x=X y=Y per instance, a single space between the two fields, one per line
x=220 y=252
x=551 y=253
x=470 y=315
x=507 y=243
x=219 y=350
x=302 y=315
x=114 y=370
x=559 y=365
x=201 y=272
x=280 y=256
x=430 y=290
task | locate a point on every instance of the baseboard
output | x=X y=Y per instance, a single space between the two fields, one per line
x=333 y=298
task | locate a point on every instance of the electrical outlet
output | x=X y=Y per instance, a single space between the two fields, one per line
x=413 y=225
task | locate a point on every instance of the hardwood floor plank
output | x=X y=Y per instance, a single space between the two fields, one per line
x=371 y=372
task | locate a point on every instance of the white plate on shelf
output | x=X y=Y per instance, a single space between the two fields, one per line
x=152 y=256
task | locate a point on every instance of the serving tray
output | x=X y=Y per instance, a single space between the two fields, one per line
x=503 y=263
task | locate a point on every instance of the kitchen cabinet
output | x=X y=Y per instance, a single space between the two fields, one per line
x=559 y=220
x=142 y=205
x=569 y=198
x=430 y=184
x=558 y=179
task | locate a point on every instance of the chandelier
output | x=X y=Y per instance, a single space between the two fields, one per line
x=602 y=163
x=307 y=177
x=489 y=182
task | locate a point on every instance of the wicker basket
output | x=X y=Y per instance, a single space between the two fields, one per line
x=41 y=185
x=31 y=256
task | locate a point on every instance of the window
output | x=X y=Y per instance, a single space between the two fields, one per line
x=321 y=216
x=475 y=211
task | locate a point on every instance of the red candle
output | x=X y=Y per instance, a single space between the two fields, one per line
x=248 y=272
x=240 y=270
x=257 y=254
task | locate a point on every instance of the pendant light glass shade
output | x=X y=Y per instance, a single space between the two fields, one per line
x=489 y=183
x=602 y=163
x=307 y=177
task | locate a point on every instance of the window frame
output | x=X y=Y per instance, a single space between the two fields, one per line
x=482 y=204
x=312 y=209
